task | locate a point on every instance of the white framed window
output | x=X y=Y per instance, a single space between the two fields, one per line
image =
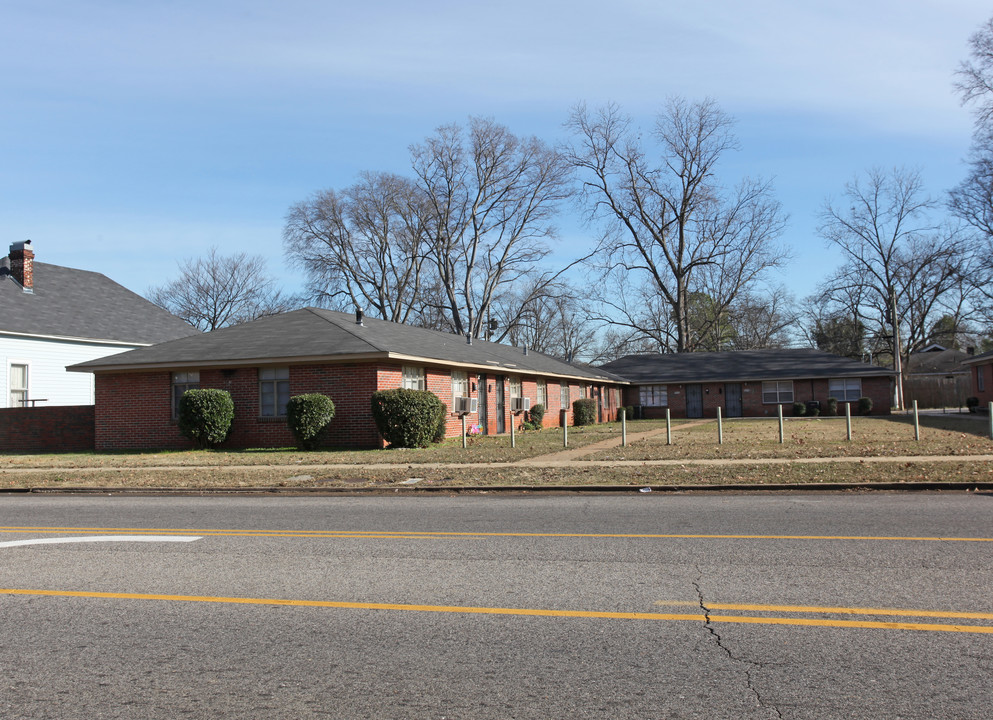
x=777 y=391
x=515 y=386
x=845 y=389
x=414 y=378
x=460 y=383
x=18 y=381
x=564 y=395
x=654 y=395
x=181 y=382
x=274 y=391
x=542 y=393
x=980 y=379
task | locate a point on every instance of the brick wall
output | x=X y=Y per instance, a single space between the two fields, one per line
x=986 y=394
x=66 y=428
x=876 y=388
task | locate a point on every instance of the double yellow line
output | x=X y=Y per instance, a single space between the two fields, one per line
x=699 y=617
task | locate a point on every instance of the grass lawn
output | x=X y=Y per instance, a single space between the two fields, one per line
x=744 y=440
x=751 y=438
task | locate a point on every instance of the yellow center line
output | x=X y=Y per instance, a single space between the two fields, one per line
x=469 y=610
x=750 y=607
x=423 y=534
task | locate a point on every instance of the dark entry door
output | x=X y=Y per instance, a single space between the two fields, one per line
x=732 y=399
x=482 y=404
x=501 y=420
x=694 y=401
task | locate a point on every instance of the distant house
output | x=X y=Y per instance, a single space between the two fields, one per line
x=53 y=316
x=936 y=377
x=750 y=383
x=981 y=370
x=346 y=357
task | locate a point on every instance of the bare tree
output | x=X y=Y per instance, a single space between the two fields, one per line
x=896 y=256
x=219 y=290
x=491 y=197
x=364 y=247
x=669 y=220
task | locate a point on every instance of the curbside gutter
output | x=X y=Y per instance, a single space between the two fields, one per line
x=519 y=489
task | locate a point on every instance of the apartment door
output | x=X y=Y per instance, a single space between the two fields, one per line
x=732 y=399
x=501 y=420
x=694 y=401
x=481 y=405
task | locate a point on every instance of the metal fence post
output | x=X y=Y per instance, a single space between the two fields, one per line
x=720 y=428
x=624 y=428
x=463 y=431
x=848 y=419
x=780 y=408
x=668 y=428
x=917 y=423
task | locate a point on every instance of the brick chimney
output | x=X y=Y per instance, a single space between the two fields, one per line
x=22 y=264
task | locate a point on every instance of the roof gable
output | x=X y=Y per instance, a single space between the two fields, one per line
x=71 y=303
x=316 y=335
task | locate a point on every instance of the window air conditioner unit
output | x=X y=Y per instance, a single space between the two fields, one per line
x=464 y=405
x=520 y=404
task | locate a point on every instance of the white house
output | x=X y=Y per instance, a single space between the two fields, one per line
x=53 y=316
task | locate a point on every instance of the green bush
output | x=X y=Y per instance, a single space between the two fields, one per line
x=584 y=411
x=972 y=403
x=205 y=416
x=309 y=417
x=865 y=405
x=442 y=428
x=535 y=416
x=813 y=411
x=799 y=409
x=832 y=406
x=407 y=418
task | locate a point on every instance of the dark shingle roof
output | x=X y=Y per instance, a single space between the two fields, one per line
x=979 y=359
x=81 y=304
x=784 y=364
x=315 y=335
x=936 y=362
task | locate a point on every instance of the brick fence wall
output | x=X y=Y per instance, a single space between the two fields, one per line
x=67 y=428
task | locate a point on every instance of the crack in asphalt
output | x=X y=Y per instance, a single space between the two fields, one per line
x=746 y=664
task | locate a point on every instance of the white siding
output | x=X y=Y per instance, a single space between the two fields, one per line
x=47 y=360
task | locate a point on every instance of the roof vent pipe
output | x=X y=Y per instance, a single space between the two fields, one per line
x=525 y=349
x=468 y=338
x=358 y=316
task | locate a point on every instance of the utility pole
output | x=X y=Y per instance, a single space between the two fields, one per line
x=897 y=361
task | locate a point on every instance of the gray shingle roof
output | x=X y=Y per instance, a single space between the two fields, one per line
x=315 y=335
x=81 y=304
x=979 y=359
x=744 y=365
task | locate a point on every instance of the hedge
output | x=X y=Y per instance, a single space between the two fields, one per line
x=205 y=416
x=407 y=418
x=309 y=417
x=584 y=411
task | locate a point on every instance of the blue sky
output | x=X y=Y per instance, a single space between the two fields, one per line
x=134 y=135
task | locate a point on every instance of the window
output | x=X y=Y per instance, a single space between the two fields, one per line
x=18 y=385
x=564 y=395
x=845 y=389
x=181 y=382
x=460 y=384
x=542 y=393
x=654 y=395
x=777 y=391
x=414 y=378
x=515 y=386
x=980 y=379
x=274 y=391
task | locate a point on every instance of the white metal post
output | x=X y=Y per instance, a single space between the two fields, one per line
x=624 y=428
x=720 y=428
x=780 y=407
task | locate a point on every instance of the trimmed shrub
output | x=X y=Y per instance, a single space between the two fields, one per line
x=865 y=405
x=535 y=416
x=584 y=411
x=799 y=409
x=813 y=411
x=832 y=406
x=205 y=416
x=407 y=418
x=972 y=403
x=309 y=417
x=442 y=428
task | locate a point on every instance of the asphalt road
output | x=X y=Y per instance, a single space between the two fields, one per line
x=635 y=606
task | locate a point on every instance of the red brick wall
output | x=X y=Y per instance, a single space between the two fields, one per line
x=134 y=409
x=986 y=394
x=877 y=388
x=67 y=428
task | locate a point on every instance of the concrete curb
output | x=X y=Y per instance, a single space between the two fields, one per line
x=523 y=489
